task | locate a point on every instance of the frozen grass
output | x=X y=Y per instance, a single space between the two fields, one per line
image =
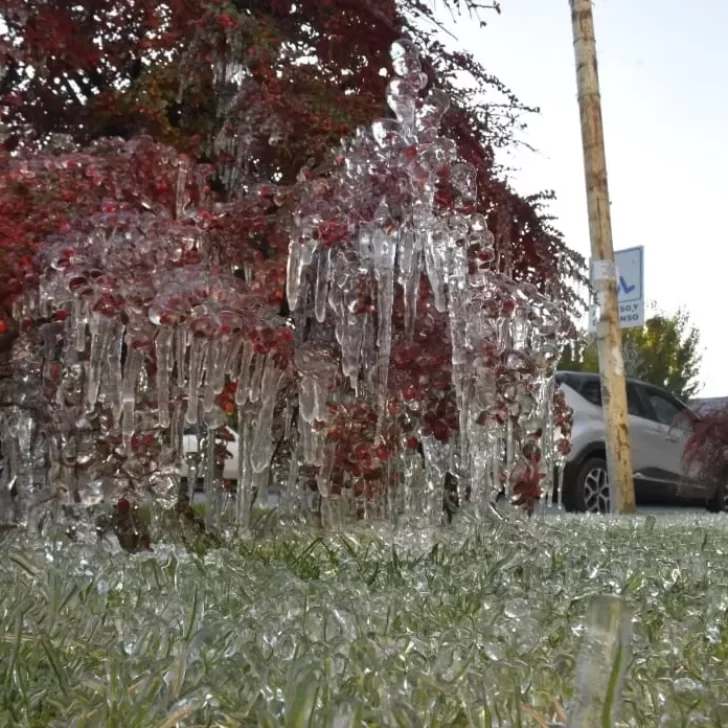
x=477 y=625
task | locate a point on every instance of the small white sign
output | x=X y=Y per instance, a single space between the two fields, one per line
x=629 y=273
x=603 y=270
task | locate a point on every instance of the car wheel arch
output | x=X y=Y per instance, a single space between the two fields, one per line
x=593 y=449
x=596 y=449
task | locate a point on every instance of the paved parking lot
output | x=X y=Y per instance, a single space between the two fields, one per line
x=642 y=510
x=657 y=511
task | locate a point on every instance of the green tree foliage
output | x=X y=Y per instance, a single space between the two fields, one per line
x=664 y=352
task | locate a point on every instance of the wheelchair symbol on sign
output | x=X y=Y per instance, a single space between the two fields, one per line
x=624 y=286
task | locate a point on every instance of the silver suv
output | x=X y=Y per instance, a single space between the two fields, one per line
x=658 y=437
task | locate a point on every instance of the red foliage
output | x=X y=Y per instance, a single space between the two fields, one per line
x=563 y=422
x=123 y=506
x=706 y=451
x=46 y=196
x=527 y=488
x=359 y=455
x=106 y=69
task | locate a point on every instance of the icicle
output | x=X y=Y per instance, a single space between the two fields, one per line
x=307 y=399
x=165 y=353
x=437 y=459
x=300 y=255
x=241 y=393
x=409 y=278
x=212 y=495
x=260 y=485
x=181 y=342
x=322 y=284
x=176 y=432
x=256 y=378
x=181 y=198
x=263 y=444
x=171 y=361
x=287 y=421
x=559 y=484
x=405 y=255
x=132 y=367
x=384 y=249
x=244 y=497
x=323 y=481
x=458 y=306
x=198 y=355
x=320 y=399
x=292 y=501
x=307 y=440
x=351 y=345
x=461 y=383
x=479 y=462
x=193 y=471
x=80 y=319
x=217 y=355
x=101 y=331
x=433 y=264
x=548 y=449
x=459 y=315
x=50 y=340
x=338 y=309
x=232 y=367
x=496 y=456
x=26 y=431
x=115 y=380
x=294 y=271
x=510 y=455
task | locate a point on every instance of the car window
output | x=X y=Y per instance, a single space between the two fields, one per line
x=666 y=409
x=591 y=390
x=568 y=379
x=634 y=404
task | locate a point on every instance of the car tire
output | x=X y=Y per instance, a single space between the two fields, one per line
x=588 y=491
x=718 y=502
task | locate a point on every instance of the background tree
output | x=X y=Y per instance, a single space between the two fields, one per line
x=664 y=352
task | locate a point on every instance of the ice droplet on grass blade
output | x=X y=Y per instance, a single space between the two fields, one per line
x=605 y=654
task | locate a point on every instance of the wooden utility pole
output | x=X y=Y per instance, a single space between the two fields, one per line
x=611 y=362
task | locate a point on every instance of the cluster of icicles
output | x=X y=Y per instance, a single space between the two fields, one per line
x=400 y=215
x=117 y=395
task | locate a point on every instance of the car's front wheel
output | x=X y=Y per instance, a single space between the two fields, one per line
x=589 y=490
x=718 y=502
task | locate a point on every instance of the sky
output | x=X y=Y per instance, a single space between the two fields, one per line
x=663 y=69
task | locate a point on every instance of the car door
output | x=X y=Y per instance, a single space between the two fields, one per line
x=645 y=450
x=641 y=438
x=667 y=433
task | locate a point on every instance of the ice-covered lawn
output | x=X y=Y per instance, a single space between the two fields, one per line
x=475 y=625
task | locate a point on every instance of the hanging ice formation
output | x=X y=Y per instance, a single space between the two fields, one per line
x=391 y=264
x=417 y=363
x=129 y=365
